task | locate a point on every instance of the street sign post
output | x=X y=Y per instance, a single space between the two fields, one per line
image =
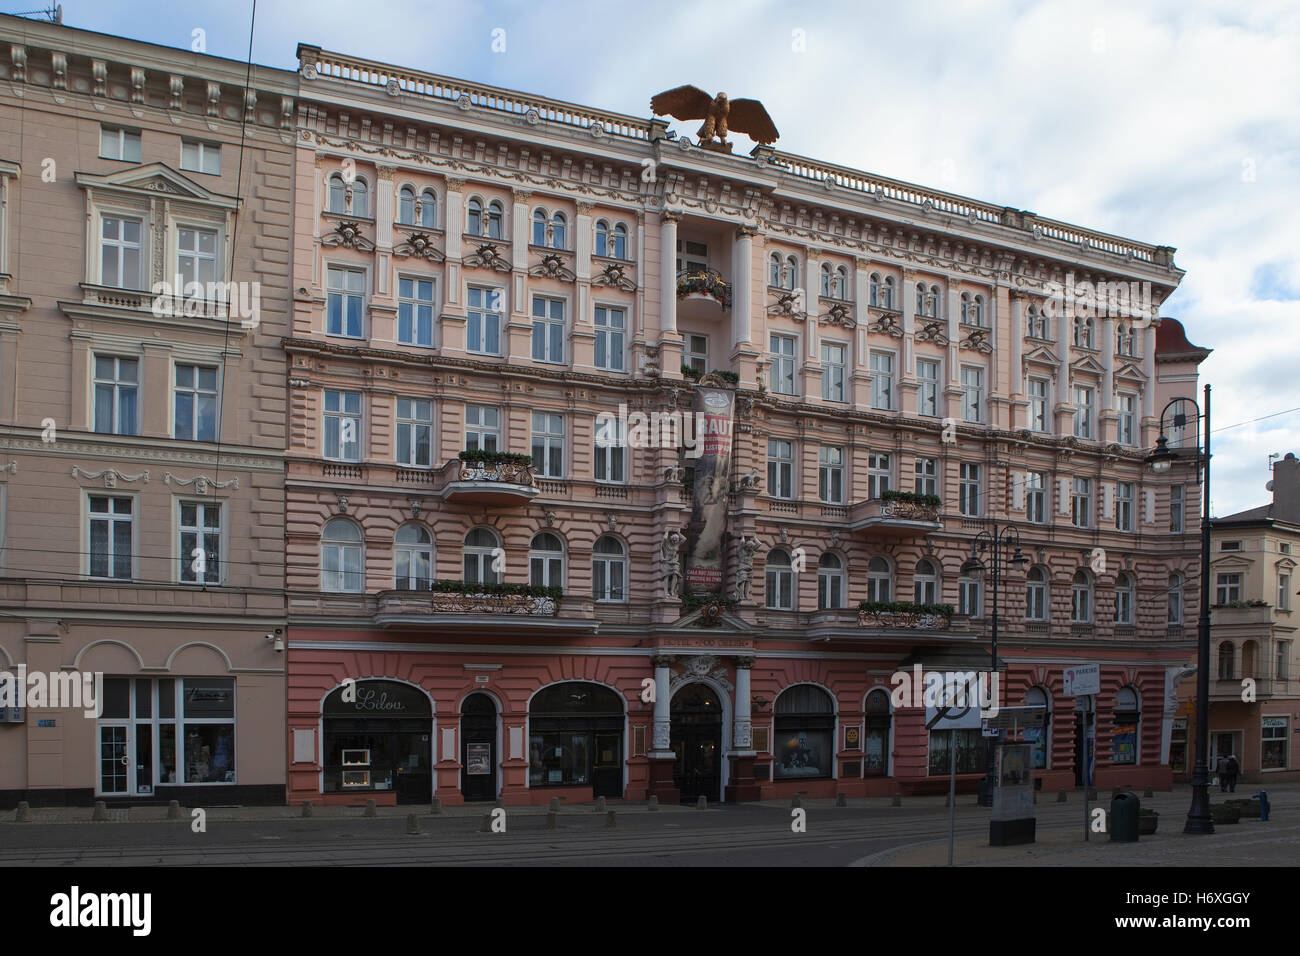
x=1084 y=680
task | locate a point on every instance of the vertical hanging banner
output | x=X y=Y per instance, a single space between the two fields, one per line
x=707 y=537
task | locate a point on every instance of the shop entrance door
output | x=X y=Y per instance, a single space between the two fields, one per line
x=413 y=775
x=114 y=760
x=478 y=744
x=696 y=738
x=607 y=766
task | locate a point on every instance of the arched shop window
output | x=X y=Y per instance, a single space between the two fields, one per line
x=805 y=733
x=575 y=738
x=875 y=748
x=378 y=738
x=1128 y=717
x=1039 y=739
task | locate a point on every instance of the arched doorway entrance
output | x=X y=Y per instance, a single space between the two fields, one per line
x=575 y=738
x=696 y=720
x=377 y=736
x=478 y=744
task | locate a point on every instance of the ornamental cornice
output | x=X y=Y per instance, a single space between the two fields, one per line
x=71 y=448
x=200 y=482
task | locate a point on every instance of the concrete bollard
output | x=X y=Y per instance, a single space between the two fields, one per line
x=897 y=801
x=555 y=804
x=552 y=820
x=1062 y=796
x=23 y=813
x=100 y=813
x=370 y=810
x=600 y=804
x=795 y=802
x=610 y=821
x=435 y=805
x=652 y=803
x=702 y=803
x=412 y=824
x=174 y=810
x=841 y=800
x=307 y=809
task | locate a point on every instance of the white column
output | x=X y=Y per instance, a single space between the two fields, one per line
x=1063 y=347
x=811 y=289
x=1108 y=364
x=662 y=725
x=742 y=285
x=906 y=303
x=1017 y=344
x=1149 y=368
x=668 y=272
x=954 y=336
x=742 y=732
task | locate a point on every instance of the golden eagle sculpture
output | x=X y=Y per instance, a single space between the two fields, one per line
x=720 y=114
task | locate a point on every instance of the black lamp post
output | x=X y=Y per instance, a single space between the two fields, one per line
x=1160 y=460
x=997 y=540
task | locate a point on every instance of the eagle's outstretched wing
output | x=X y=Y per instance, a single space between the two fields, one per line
x=749 y=117
x=685 y=103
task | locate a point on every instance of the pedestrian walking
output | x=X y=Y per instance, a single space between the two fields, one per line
x=1221 y=772
x=1234 y=768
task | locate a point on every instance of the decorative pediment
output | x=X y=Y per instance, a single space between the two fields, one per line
x=552 y=266
x=615 y=277
x=841 y=314
x=699 y=618
x=153 y=179
x=698 y=668
x=348 y=235
x=487 y=256
x=886 y=323
x=1130 y=372
x=419 y=245
x=936 y=332
x=976 y=340
x=1042 y=355
x=1087 y=365
x=788 y=304
x=1230 y=561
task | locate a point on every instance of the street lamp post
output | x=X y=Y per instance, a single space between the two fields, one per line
x=996 y=540
x=1160 y=460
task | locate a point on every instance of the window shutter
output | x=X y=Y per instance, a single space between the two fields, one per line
x=1148 y=506
x=1062 y=496
x=1018 y=490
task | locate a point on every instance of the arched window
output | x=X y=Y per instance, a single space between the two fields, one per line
x=1226 y=660
x=1037 y=323
x=360 y=197
x=828 y=281
x=337 y=197
x=406 y=206
x=977 y=311
x=602 y=238
x=774 y=270
x=841 y=287
x=1039 y=738
x=474 y=216
x=480 y=556
x=874 y=290
x=539 y=227
x=880 y=586
x=428 y=212
x=932 y=302
x=620 y=241
x=966 y=309
x=804 y=745
x=925 y=582
x=1250 y=659
x=495 y=218
x=1081 y=598
x=1083 y=332
x=830 y=581
x=575 y=738
x=887 y=293
x=413 y=558
x=1128 y=718
x=968 y=590
x=920 y=298
x=789 y=272
x=340 y=556
x=875 y=738
x=1175 y=599
x=558 y=226
x=1036 y=604
x=1123 y=599
x=546 y=561
x=779 y=581
x=609 y=570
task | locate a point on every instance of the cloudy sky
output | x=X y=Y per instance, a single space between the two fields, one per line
x=1176 y=123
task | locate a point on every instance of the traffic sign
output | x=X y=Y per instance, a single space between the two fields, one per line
x=1082 y=680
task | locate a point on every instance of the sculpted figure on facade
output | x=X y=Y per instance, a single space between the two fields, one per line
x=749 y=545
x=671 y=552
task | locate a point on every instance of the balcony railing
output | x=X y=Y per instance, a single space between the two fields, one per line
x=479 y=477
x=459 y=597
x=900 y=511
x=704 y=284
x=904 y=614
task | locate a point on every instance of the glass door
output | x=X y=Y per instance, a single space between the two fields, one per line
x=144 y=758
x=114 y=760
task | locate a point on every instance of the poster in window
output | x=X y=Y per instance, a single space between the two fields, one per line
x=1124 y=743
x=874 y=751
x=478 y=759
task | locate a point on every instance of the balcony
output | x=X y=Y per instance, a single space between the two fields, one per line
x=904 y=615
x=1240 y=612
x=896 y=511
x=705 y=285
x=489 y=478
x=459 y=597
x=1229 y=689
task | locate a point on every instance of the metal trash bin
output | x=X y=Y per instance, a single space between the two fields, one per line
x=1125 y=808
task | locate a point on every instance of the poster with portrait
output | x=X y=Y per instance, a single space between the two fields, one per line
x=706 y=537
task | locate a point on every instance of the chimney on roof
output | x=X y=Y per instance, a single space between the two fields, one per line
x=1286 y=489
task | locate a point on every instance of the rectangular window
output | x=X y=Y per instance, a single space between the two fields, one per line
x=1282 y=665
x=110 y=537
x=196 y=257
x=195 y=403
x=969 y=490
x=972 y=385
x=882 y=380
x=782 y=373
x=1081 y=503
x=1273 y=742
x=1176 y=509
x=200 y=157
x=343 y=425
x=610 y=324
x=116 y=384
x=1230 y=546
x=1283 y=592
x=1036 y=497
x=548 y=444
x=414 y=311
x=1127 y=433
x=833 y=371
x=1038 y=405
x=344 y=297
x=692 y=256
x=968 y=596
x=966 y=747
x=200 y=544
x=548 y=329
x=780 y=468
x=879 y=469
x=830 y=475
x=1083 y=412
x=119 y=252
x=1228 y=588
x=925 y=476
x=1124 y=506
x=697 y=352
x=611 y=450
x=927 y=394
x=483 y=321
x=118 y=143
x=415 y=432
x=482 y=428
